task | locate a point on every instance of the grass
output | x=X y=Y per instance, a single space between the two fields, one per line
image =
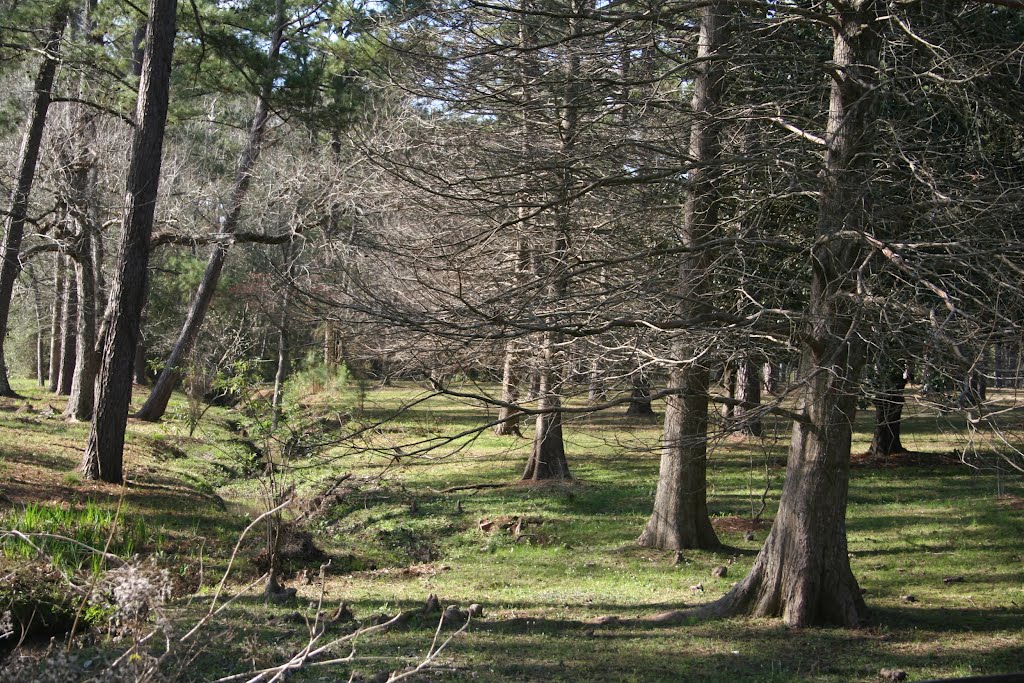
x=75 y=537
x=393 y=538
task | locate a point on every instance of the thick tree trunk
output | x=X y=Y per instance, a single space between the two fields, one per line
x=748 y=391
x=889 y=400
x=104 y=450
x=547 y=459
x=10 y=265
x=156 y=404
x=508 y=415
x=56 y=323
x=680 y=516
x=803 y=571
x=69 y=339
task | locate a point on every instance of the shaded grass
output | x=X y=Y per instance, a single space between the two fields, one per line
x=394 y=538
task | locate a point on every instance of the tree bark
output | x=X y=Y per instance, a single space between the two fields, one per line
x=28 y=158
x=56 y=322
x=729 y=384
x=282 y=341
x=40 y=334
x=508 y=415
x=156 y=404
x=595 y=393
x=80 y=403
x=748 y=391
x=82 y=166
x=803 y=571
x=104 y=450
x=69 y=337
x=640 y=397
x=547 y=458
x=771 y=376
x=140 y=368
x=889 y=400
x=680 y=516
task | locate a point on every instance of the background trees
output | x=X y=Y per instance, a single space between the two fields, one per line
x=545 y=206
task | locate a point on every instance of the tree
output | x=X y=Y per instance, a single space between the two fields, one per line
x=156 y=404
x=890 y=381
x=27 y=160
x=802 y=572
x=680 y=517
x=103 y=458
x=88 y=261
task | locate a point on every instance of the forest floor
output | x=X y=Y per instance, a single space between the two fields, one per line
x=935 y=540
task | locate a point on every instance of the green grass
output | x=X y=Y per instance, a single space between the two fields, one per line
x=393 y=539
x=74 y=537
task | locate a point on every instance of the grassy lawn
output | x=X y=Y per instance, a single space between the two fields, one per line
x=935 y=541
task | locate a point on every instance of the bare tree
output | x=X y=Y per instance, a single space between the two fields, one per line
x=803 y=570
x=156 y=404
x=680 y=517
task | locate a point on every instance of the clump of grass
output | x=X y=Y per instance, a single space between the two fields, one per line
x=68 y=535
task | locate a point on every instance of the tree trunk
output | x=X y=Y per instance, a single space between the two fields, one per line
x=156 y=404
x=56 y=323
x=771 y=377
x=729 y=384
x=282 y=342
x=640 y=397
x=80 y=199
x=547 y=459
x=803 y=571
x=330 y=355
x=40 y=333
x=748 y=391
x=680 y=516
x=889 y=400
x=80 y=404
x=595 y=393
x=28 y=157
x=140 y=364
x=104 y=450
x=69 y=339
x=508 y=416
